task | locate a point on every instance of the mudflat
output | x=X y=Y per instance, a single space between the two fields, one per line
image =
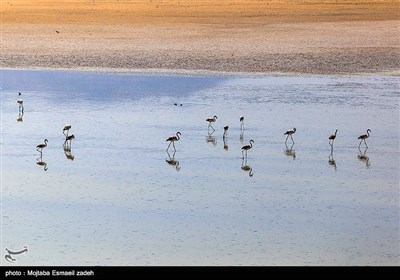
x=322 y=37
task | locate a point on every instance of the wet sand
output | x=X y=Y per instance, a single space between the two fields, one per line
x=321 y=37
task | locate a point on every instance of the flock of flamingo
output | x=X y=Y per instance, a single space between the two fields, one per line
x=174 y=138
x=40 y=147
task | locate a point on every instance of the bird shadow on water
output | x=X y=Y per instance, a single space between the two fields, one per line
x=172 y=161
x=362 y=156
x=290 y=152
x=40 y=162
x=246 y=167
x=331 y=160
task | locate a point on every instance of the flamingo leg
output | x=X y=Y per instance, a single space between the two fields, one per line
x=360 y=143
x=173 y=144
x=292 y=138
x=169 y=145
x=365 y=142
x=286 y=138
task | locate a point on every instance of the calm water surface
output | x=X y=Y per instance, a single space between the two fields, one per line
x=118 y=198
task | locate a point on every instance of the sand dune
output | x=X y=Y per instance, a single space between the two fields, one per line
x=251 y=36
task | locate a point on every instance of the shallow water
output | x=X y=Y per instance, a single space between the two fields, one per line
x=119 y=202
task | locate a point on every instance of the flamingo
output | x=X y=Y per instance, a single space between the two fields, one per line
x=332 y=138
x=211 y=120
x=225 y=131
x=66 y=128
x=289 y=133
x=68 y=138
x=20 y=103
x=172 y=140
x=245 y=148
x=40 y=147
x=363 y=137
x=241 y=122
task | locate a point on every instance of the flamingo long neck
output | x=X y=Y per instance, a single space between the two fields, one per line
x=177 y=136
x=368 y=133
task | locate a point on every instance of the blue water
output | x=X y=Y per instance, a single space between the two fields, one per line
x=113 y=199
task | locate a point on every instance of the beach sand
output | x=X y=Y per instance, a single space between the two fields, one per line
x=321 y=37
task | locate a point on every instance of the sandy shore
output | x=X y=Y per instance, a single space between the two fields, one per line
x=322 y=37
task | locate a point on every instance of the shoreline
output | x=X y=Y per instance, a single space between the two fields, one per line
x=184 y=72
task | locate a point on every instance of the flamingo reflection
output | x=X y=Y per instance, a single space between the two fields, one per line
x=331 y=160
x=172 y=161
x=211 y=139
x=20 y=115
x=247 y=168
x=40 y=162
x=68 y=152
x=290 y=152
x=225 y=143
x=363 y=157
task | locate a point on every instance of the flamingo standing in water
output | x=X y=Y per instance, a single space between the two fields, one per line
x=245 y=148
x=363 y=137
x=332 y=138
x=241 y=123
x=211 y=120
x=172 y=140
x=20 y=103
x=225 y=131
x=40 y=147
x=68 y=138
x=289 y=133
x=66 y=128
